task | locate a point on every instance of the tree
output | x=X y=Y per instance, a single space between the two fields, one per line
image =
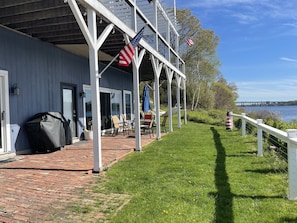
x=224 y=94
x=201 y=59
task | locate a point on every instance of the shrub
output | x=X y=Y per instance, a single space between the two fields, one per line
x=213 y=117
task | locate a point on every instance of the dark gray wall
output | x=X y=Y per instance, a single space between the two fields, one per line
x=39 y=69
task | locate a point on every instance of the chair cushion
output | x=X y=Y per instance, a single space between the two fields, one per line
x=147 y=119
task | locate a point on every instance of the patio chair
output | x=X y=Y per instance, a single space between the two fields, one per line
x=125 y=125
x=116 y=124
x=148 y=124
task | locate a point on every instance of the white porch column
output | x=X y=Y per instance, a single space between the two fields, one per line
x=169 y=74
x=136 y=64
x=154 y=93
x=157 y=67
x=185 y=101
x=178 y=80
x=185 y=95
x=96 y=116
x=90 y=34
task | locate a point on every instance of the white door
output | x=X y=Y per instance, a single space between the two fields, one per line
x=4 y=113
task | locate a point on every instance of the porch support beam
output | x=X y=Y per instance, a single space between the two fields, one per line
x=136 y=62
x=185 y=101
x=90 y=33
x=185 y=95
x=96 y=116
x=81 y=23
x=178 y=80
x=169 y=74
x=157 y=67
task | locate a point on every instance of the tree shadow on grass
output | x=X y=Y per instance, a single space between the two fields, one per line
x=223 y=197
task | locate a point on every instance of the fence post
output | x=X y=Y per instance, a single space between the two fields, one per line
x=260 y=137
x=292 y=164
x=243 y=125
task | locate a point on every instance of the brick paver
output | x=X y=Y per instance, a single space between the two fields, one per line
x=31 y=184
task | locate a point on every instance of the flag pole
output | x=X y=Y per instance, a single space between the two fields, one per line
x=107 y=66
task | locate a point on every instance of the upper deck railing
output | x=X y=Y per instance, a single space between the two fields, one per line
x=161 y=32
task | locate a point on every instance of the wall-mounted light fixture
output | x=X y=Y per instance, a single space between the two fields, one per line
x=82 y=94
x=15 y=90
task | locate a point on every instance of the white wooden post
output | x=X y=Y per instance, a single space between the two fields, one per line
x=157 y=67
x=260 y=137
x=169 y=74
x=178 y=80
x=185 y=101
x=292 y=164
x=96 y=116
x=243 y=125
x=136 y=64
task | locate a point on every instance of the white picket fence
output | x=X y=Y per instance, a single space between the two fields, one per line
x=290 y=137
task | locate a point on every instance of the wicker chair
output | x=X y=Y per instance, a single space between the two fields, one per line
x=116 y=125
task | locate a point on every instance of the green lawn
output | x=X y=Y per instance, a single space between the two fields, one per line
x=200 y=173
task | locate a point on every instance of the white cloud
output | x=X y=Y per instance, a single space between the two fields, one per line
x=288 y=59
x=244 y=18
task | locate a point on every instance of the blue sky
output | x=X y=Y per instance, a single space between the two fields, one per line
x=258 y=44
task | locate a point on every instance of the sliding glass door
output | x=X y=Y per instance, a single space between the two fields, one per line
x=111 y=104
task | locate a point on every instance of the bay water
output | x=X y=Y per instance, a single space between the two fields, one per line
x=286 y=113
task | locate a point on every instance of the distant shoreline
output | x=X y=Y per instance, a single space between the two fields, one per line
x=265 y=103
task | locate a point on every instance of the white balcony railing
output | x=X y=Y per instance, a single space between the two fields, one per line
x=161 y=32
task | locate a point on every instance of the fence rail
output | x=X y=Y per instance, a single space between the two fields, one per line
x=289 y=137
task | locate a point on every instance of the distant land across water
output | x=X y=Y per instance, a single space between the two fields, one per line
x=266 y=103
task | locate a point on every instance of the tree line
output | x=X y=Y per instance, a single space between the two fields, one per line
x=206 y=87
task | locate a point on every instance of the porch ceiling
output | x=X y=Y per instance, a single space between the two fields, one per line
x=52 y=21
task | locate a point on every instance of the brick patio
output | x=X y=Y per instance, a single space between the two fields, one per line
x=31 y=183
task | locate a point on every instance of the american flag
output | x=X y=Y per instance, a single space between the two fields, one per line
x=127 y=53
x=190 y=42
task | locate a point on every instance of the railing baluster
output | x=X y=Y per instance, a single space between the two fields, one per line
x=260 y=137
x=243 y=125
x=292 y=164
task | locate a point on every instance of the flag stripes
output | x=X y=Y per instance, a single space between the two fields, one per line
x=190 y=42
x=127 y=53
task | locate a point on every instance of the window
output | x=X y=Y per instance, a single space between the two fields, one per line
x=115 y=103
x=128 y=105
